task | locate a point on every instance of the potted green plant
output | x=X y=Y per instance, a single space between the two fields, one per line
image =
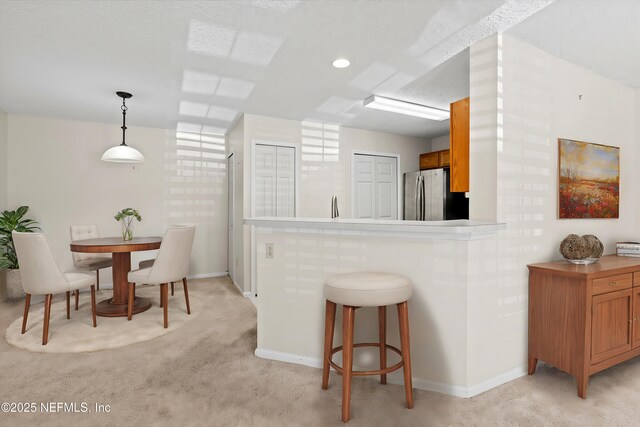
x=126 y=216
x=13 y=221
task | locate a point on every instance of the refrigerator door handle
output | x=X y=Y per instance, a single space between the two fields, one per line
x=417 y=197
x=422 y=200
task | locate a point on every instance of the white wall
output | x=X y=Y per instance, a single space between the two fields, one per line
x=516 y=129
x=55 y=168
x=440 y=143
x=324 y=152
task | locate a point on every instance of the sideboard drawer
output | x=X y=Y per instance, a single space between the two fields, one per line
x=636 y=279
x=612 y=283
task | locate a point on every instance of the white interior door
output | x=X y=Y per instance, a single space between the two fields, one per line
x=231 y=215
x=274 y=181
x=375 y=187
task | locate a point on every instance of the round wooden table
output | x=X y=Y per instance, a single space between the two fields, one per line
x=121 y=253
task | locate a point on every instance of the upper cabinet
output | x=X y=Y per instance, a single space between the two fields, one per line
x=459 y=145
x=434 y=159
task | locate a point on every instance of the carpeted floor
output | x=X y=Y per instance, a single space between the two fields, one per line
x=206 y=374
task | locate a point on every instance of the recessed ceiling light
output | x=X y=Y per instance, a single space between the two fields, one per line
x=404 y=107
x=341 y=63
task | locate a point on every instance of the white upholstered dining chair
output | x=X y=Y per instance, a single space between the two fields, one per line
x=87 y=261
x=41 y=276
x=171 y=265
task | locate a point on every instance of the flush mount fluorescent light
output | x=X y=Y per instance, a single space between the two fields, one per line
x=341 y=63
x=403 y=107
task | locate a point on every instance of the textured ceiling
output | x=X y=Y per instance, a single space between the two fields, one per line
x=601 y=35
x=197 y=66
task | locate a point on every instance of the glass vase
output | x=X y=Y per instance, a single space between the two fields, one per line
x=127 y=228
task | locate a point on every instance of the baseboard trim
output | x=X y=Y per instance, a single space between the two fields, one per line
x=288 y=357
x=494 y=382
x=207 y=275
x=443 y=388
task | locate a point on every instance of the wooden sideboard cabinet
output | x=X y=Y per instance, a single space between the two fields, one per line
x=584 y=318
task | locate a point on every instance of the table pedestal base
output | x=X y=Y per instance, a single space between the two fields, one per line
x=107 y=309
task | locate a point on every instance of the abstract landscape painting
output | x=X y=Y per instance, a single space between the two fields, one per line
x=589 y=180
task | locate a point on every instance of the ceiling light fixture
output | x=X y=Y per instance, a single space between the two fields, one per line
x=341 y=63
x=123 y=153
x=404 y=107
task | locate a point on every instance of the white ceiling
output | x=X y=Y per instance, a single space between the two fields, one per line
x=198 y=65
x=601 y=35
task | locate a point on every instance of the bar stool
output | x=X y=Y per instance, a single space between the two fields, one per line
x=366 y=289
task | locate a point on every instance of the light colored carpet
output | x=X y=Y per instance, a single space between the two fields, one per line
x=205 y=374
x=77 y=334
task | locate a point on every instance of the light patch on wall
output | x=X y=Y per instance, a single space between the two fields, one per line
x=194 y=109
x=234 y=88
x=221 y=113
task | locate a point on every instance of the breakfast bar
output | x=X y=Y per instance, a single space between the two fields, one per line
x=437 y=256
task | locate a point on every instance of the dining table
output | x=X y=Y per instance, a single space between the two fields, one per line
x=120 y=250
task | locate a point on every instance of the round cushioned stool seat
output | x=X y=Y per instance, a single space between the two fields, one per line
x=367 y=289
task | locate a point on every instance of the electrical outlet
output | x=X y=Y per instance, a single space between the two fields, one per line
x=269 y=250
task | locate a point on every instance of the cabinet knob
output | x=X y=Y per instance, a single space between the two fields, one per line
x=613 y=283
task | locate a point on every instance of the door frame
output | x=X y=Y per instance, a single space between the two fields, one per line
x=399 y=193
x=231 y=246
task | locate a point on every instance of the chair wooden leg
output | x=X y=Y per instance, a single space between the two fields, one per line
x=132 y=289
x=348 y=316
x=329 y=325
x=68 y=304
x=382 y=333
x=161 y=300
x=171 y=288
x=186 y=294
x=27 y=303
x=47 y=315
x=93 y=305
x=165 y=296
x=98 y=279
x=403 y=320
x=77 y=295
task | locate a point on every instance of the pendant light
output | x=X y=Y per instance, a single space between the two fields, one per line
x=123 y=153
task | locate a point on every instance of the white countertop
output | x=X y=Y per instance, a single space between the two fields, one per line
x=454 y=229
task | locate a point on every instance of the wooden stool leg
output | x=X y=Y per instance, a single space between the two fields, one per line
x=98 y=279
x=27 y=303
x=382 y=331
x=329 y=325
x=186 y=294
x=93 y=305
x=132 y=289
x=165 y=307
x=68 y=304
x=171 y=288
x=348 y=316
x=403 y=320
x=77 y=294
x=47 y=315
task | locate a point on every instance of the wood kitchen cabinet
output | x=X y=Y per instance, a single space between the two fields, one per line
x=459 y=145
x=435 y=159
x=584 y=318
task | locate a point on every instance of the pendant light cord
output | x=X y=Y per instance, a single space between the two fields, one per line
x=124 y=120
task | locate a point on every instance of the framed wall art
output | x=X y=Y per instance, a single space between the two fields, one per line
x=588 y=180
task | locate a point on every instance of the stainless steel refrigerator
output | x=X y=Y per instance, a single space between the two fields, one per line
x=427 y=197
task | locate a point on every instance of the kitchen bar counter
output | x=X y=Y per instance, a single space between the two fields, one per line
x=451 y=230
x=449 y=264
